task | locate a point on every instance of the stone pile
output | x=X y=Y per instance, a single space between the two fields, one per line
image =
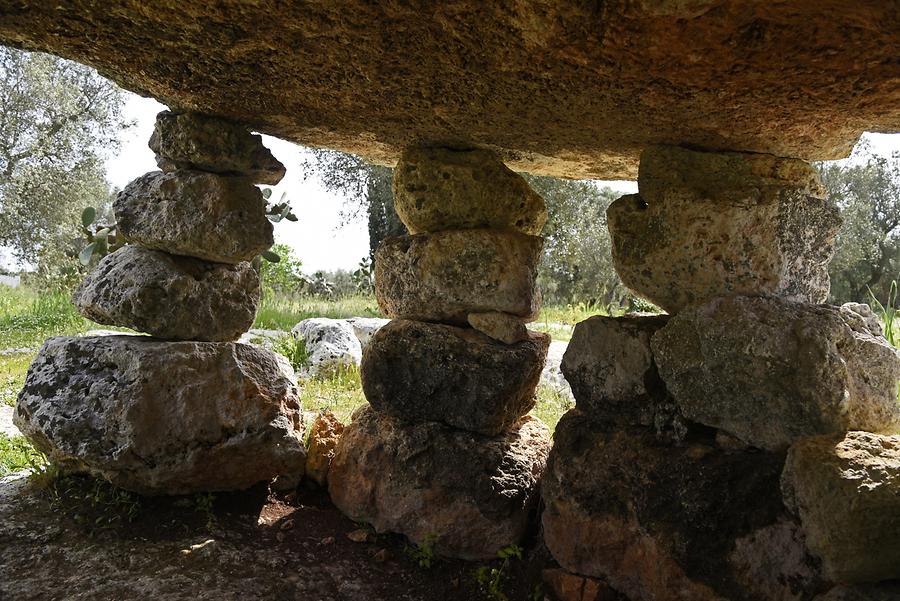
x=188 y=409
x=745 y=447
x=444 y=452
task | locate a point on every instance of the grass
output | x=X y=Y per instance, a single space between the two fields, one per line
x=16 y=454
x=12 y=376
x=28 y=318
x=341 y=393
x=282 y=312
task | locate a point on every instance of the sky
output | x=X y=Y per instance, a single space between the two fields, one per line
x=318 y=238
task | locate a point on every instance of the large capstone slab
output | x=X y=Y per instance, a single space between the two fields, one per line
x=443 y=188
x=168 y=296
x=770 y=371
x=846 y=490
x=462 y=494
x=160 y=417
x=194 y=213
x=445 y=276
x=197 y=141
x=708 y=224
x=662 y=522
x=419 y=371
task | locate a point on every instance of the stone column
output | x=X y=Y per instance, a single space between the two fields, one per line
x=739 y=448
x=444 y=452
x=186 y=409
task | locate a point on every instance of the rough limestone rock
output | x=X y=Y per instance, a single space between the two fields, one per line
x=709 y=224
x=197 y=141
x=846 y=490
x=888 y=591
x=419 y=371
x=331 y=344
x=662 y=522
x=769 y=371
x=324 y=434
x=447 y=275
x=445 y=188
x=560 y=88
x=499 y=326
x=466 y=495
x=171 y=297
x=564 y=586
x=203 y=215
x=552 y=374
x=160 y=417
x=610 y=367
x=365 y=328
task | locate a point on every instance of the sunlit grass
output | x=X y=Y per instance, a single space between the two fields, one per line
x=27 y=318
x=12 y=376
x=282 y=312
x=16 y=454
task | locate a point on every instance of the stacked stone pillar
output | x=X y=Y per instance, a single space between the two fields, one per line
x=743 y=447
x=185 y=409
x=444 y=452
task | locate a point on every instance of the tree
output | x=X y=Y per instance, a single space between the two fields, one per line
x=58 y=122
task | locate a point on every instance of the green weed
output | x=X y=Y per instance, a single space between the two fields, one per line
x=492 y=580
x=17 y=454
x=423 y=552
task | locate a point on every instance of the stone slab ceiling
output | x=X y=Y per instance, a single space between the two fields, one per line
x=561 y=87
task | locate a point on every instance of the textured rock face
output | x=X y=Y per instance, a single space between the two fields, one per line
x=466 y=494
x=196 y=141
x=660 y=522
x=769 y=371
x=447 y=275
x=721 y=224
x=499 y=326
x=419 y=371
x=164 y=417
x=365 y=328
x=324 y=434
x=878 y=592
x=547 y=83
x=846 y=490
x=331 y=344
x=610 y=367
x=171 y=297
x=193 y=213
x=442 y=189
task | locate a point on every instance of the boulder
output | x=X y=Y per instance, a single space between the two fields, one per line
x=610 y=367
x=446 y=189
x=846 y=491
x=564 y=586
x=160 y=417
x=552 y=374
x=711 y=224
x=464 y=494
x=499 y=326
x=172 y=297
x=660 y=522
x=365 y=328
x=418 y=371
x=888 y=591
x=769 y=371
x=324 y=434
x=447 y=275
x=203 y=215
x=207 y=143
x=331 y=345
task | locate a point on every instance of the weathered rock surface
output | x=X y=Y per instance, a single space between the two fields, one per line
x=447 y=275
x=163 y=417
x=171 y=297
x=331 y=344
x=562 y=88
x=770 y=371
x=466 y=495
x=445 y=188
x=499 y=326
x=418 y=371
x=610 y=367
x=662 y=522
x=197 y=141
x=846 y=490
x=888 y=591
x=324 y=435
x=365 y=328
x=709 y=224
x=203 y=215
x=564 y=586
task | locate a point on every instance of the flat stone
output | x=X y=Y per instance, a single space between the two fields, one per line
x=770 y=371
x=465 y=495
x=207 y=143
x=447 y=275
x=160 y=417
x=846 y=491
x=171 y=297
x=324 y=434
x=651 y=518
x=193 y=213
x=711 y=224
x=419 y=371
x=445 y=188
x=499 y=326
x=331 y=345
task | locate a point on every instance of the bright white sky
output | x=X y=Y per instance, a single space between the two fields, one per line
x=317 y=238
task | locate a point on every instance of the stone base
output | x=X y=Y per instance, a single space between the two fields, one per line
x=465 y=495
